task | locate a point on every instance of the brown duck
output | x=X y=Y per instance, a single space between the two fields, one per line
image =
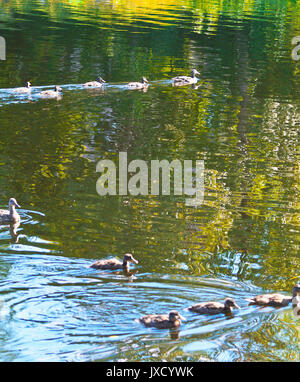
x=95 y=84
x=186 y=80
x=138 y=85
x=214 y=307
x=11 y=215
x=162 y=321
x=25 y=89
x=115 y=263
x=52 y=93
x=274 y=299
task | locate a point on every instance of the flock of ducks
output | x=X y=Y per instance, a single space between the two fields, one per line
x=173 y=319
x=98 y=83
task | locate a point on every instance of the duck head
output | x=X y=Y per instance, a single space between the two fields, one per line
x=28 y=84
x=100 y=79
x=230 y=303
x=296 y=290
x=174 y=316
x=129 y=258
x=57 y=88
x=194 y=72
x=13 y=203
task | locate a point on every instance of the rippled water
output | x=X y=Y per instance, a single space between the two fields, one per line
x=242 y=120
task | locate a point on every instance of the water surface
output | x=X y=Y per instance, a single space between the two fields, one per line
x=243 y=121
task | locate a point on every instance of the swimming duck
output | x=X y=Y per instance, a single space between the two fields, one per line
x=162 y=321
x=98 y=83
x=275 y=299
x=26 y=89
x=51 y=93
x=296 y=311
x=115 y=263
x=185 y=80
x=11 y=215
x=296 y=306
x=138 y=85
x=214 y=307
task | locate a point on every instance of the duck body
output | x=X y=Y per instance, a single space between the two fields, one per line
x=11 y=215
x=115 y=263
x=270 y=299
x=51 y=93
x=24 y=90
x=275 y=299
x=162 y=321
x=94 y=84
x=186 y=80
x=138 y=85
x=214 y=307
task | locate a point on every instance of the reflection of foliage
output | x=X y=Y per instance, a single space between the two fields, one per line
x=235 y=121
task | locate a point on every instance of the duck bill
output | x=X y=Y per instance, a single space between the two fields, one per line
x=135 y=261
x=182 y=318
x=236 y=306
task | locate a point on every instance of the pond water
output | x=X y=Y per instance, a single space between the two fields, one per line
x=242 y=121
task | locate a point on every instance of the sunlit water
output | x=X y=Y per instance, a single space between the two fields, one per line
x=242 y=120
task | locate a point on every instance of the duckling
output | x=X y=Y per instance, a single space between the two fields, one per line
x=162 y=321
x=185 y=80
x=115 y=264
x=11 y=215
x=26 y=89
x=51 y=93
x=295 y=297
x=214 y=307
x=296 y=311
x=138 y=85
x=275 y=299
x=95 y=84
x=295 y=306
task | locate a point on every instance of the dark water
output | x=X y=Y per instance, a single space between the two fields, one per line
x=243 y=121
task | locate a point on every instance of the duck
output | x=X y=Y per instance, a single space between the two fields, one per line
x=296 y=306
x=215 y=307
x=162 y=321
x=96 y=84
x=115 y=263
x=275 y=299
x=26 y=89
x=296 y=311
x=185 y=80
x=138 y=85
x=51 y=93
x=11 y=215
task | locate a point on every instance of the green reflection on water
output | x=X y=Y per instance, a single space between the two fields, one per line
x=243 y=121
